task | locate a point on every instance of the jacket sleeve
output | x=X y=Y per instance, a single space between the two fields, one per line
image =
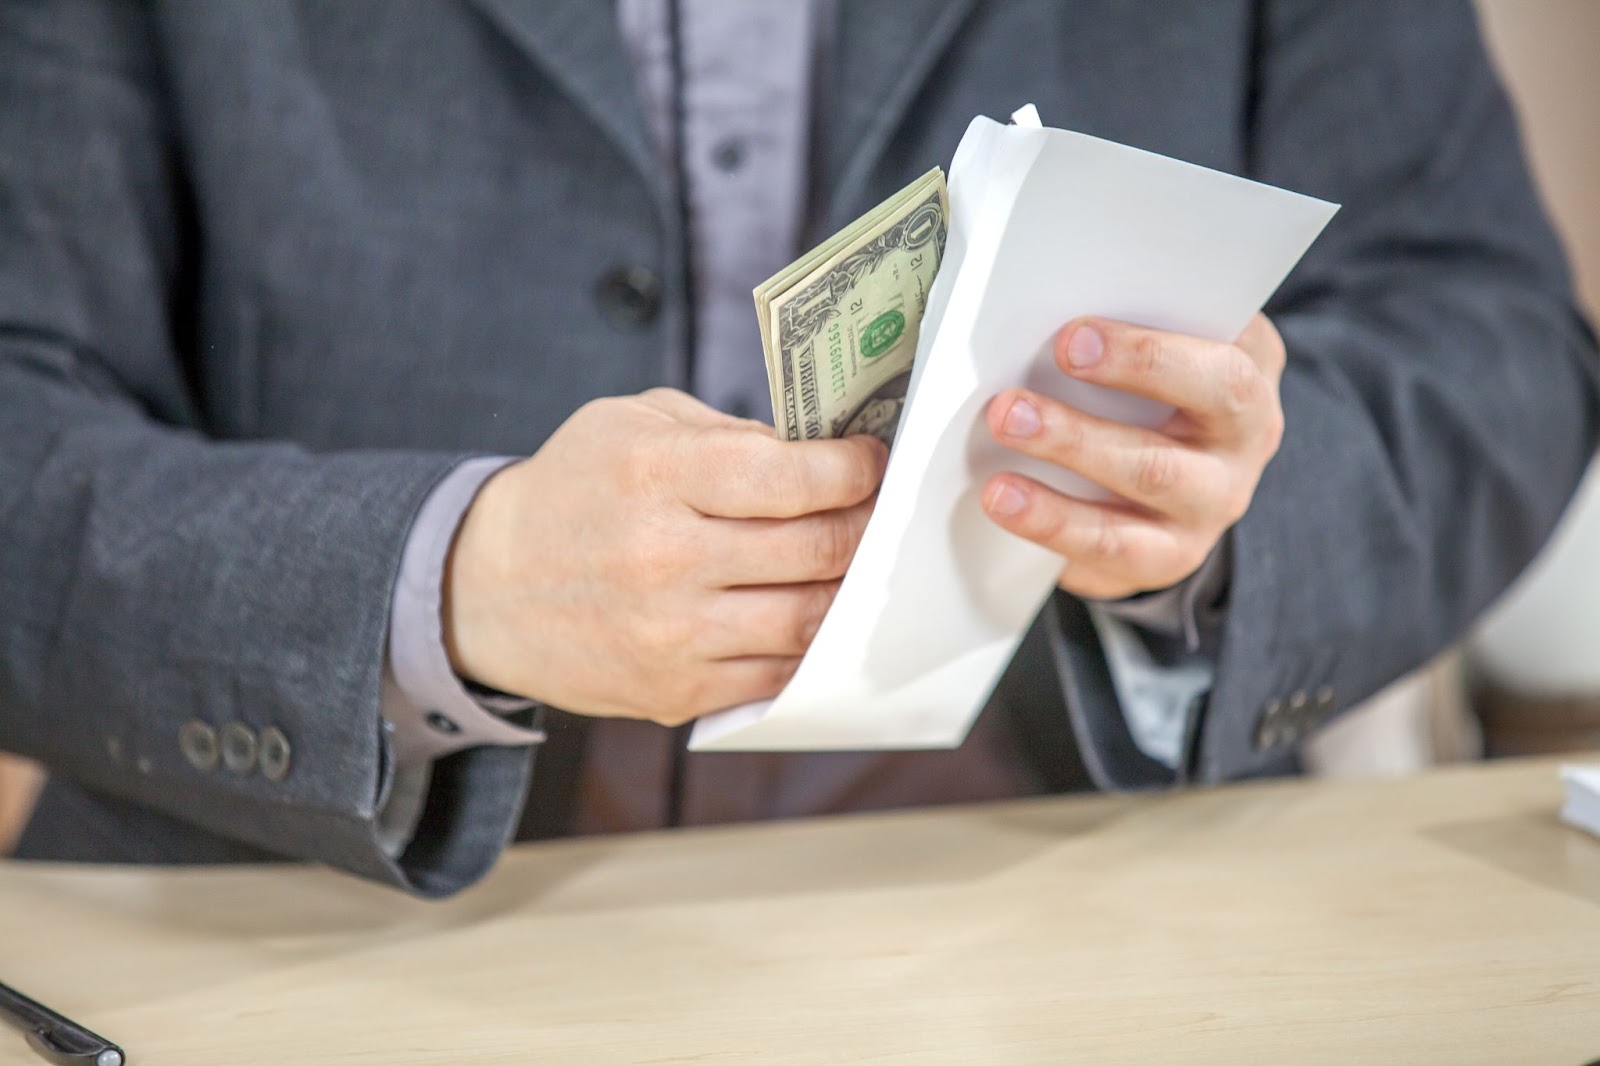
x=1440 y=396
x=152 y=578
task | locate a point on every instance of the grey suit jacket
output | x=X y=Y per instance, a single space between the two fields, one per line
x=267 y=271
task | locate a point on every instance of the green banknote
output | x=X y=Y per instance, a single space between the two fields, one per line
x=839 y=325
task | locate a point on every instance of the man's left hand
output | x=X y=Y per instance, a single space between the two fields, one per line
x=1180 y=487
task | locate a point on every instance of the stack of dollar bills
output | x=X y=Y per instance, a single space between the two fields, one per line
x=839 y=325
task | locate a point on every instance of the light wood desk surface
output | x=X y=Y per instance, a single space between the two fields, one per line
x=1445 y=919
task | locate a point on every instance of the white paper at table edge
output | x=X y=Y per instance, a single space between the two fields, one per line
x=1584 y=776
x=778 y=724
x=1581 y=808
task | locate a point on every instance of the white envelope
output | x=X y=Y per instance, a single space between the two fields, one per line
x=1045 y=225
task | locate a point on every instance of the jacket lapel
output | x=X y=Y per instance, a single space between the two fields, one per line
x=883 y=52
x=578 y=43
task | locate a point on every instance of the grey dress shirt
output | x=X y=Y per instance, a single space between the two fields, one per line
x=745 y=122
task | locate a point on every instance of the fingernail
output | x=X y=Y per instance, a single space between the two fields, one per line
x=1085 y=347
x=1007 y=500
x=1022 y=420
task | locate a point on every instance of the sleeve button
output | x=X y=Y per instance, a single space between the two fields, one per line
x=198 y=742
x=274 y=754
x=238 y=748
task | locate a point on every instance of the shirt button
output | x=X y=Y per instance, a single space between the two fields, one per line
x=739 y=408
x=238 y=748
x=728 y=154
x=629 y=297
x=198 y=742
x=274 y=754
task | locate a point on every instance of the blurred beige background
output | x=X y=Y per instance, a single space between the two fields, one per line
x=1539 y=642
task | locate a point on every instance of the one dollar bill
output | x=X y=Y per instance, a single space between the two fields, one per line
x=840 y=324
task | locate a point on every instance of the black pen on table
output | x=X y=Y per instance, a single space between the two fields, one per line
x=59 y=1040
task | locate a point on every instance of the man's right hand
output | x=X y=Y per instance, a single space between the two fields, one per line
x=655 y=559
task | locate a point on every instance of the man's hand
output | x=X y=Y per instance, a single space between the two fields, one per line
x=1180 y=487
x=655 y=559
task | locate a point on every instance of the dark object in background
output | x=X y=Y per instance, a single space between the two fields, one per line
x=1517 y=724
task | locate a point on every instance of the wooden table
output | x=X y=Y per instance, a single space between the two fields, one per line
x=1445 y=919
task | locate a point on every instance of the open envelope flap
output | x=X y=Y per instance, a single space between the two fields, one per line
x=1046 y=226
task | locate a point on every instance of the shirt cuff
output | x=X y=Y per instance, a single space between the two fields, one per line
x=1192 y=610
x=1156 y=696
x=429 y=706
x=1161 y=650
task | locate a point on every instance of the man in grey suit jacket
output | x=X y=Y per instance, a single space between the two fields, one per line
x=273 y=280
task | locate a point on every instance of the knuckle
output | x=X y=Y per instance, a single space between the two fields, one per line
x=1155 y=471
x=1235 y=503
x=1107 y=540
x=601 y=408
x=801 y=627
x=1184 y=561
x=816 y=607
x=776 y=674
x=1244 y=386
x=666 y=636
x=740 y=466
x=1070 y=436
x=1273 y=429
x=1148 y=356
x=1046 y=522
x=652 y=561
x=833 y=546
x=799 y=620
x=788 y=483
x=681 y=698
x=862 y=475
x=640 y=469
x=648 y=463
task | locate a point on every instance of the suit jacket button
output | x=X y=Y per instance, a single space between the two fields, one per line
x=238 y=748
x=274 y=754
x=729 y=154
x=629 y=297
x=198 y=742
